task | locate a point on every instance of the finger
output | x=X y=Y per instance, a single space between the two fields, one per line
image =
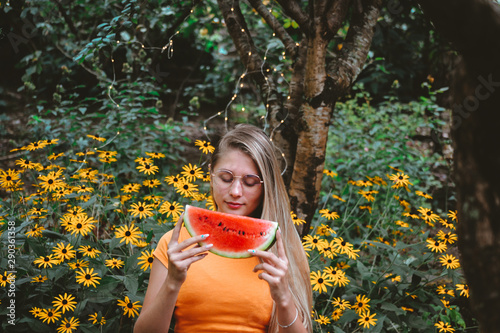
x=270 y=269
x=269 y=257
x=177 y=230
x=281 y=247
x=192 y=252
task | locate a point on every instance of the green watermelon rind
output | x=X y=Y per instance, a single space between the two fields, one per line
x=233 y=255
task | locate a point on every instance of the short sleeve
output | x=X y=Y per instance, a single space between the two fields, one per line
x=160 y=252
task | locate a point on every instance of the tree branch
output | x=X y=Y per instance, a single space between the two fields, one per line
x=292 y=9
x=276 y=26
x=335 y=15
x=66 y=17
x=182 y=18
x=346 y=68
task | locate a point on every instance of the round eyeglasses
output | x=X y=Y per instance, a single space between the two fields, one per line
x=225 y=178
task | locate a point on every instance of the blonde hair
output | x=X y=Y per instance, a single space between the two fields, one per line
x=275 y=207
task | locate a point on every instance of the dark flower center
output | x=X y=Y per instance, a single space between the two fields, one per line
x=87 y=277
x=320 y=280
x=130 y=305
x=127 y=234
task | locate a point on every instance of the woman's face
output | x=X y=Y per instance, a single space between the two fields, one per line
x=236 y=197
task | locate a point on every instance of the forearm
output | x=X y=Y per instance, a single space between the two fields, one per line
x=288 y=313
x=156 y=317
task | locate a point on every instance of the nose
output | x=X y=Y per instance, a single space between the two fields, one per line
x=236 y=188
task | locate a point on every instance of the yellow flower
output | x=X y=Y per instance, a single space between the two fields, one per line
x=315 y=242
x=330 y=173
x=141 y=209
x=361 y=305
x=444 y=327
x=96 y=137
x=35 y=145
x=428 y=216
x=64 y=302
x=148 y=168
x=151 y=183
x=146 y=260
x=68 y=325
x=88 y=251
x=45 y=261
x=337 y=197
x=155 y=155
x=35 y=231
x=8 y=179
x=87 y=277
x=79 y=263
x=436 y=246
x=39 y=279
x=186 y=189
x=452 y=215
x=173 y=180
x=94 y=318
x=337 y=276
x=296 y=220
x=55 y=156
x=320 y=281
x=400 y=180
x=6 y=278
x=171 y=208
x=192 y=172
x=449 y=261
x=128 y=234
x=205 y=146
x=367 y=320
x=464 y=289
x=423 y=194
x=336 y=314
x=49 y=315
x=322 y=320
x=324 y=230
x=64 y=252
x=129 y=188
x=129 y=308
x=342 y=304
x=329 y=215
x=114 y=263
x=448 y=237
x=51 y=182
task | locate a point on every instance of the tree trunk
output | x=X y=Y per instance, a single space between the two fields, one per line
x=473 y=26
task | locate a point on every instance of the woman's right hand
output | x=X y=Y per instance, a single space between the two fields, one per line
x=182 y=255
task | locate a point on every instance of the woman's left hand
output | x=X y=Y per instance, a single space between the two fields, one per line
x=274 y=271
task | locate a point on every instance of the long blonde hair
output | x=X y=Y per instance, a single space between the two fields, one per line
x=275 y=207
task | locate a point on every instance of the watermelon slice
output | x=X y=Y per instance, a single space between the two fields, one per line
x=231 y=235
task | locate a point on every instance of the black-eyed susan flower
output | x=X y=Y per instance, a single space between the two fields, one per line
x=146 y=260
x=173 y=180
x=49 y=315
x=322 y=320
x=128 y=234
x=344 y=247
x=320 y=281
x=341 y=303
x=452 y=214
x=210 y=204
x=464 y=290
x=45 y=261
x=447 y=237
x=402 y=224
x=129 y=308
x=68 y=325
x=447 y=224
x=173 y=209
x=191 y=172
x=205 y=146
x=436 y=246
x=367 y=319
x=51 y=141
x=337 y=276
x=337 y=197
x=106 y=153
x=155 y=155
x=296 y=220
x=369 y=208
x=400 y=180
x=151 y=183
x=185 y=188
x=5 y=278
x=36 y=311
x=64 y=252
x=81 y=225
x=361 y=305
x=368 y=195
x=88 y=251
x=444 y=327
x=329 y=215
x=326 y=250
x=51 y=182
x=35 y=231
x=8 y=178
x=64 y=302
x=144 y=160
x=130 y=188
x=336 y=314
x=314 y=241
x=36 y=211
x=27 y=164
x=324 y=230
x=76 y=211
x=79 y=263
x=97 y=318
x=141 y=209
x=55 y=156
x=114 y=263
x=148 y=168
x=423 y=194
x=39 y=279
x=363 y=183
x=96 y=137
x=427 y=215
x=330 y=173
x=87 y=277
x=449 y=261
x=35 y=145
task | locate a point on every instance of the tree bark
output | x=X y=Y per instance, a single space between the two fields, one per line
x=299 y=122
x=472 y=27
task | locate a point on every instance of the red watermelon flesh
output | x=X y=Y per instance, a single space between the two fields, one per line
x=231 y=235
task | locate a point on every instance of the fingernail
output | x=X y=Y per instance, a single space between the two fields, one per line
x=252 y=251
x=209 y=246
x=204 y=236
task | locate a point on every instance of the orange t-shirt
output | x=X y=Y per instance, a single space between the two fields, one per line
x=219 y=294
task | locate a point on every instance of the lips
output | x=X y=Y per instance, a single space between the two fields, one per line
x=234 y=205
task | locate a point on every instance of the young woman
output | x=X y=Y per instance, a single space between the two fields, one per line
x=202 y=292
